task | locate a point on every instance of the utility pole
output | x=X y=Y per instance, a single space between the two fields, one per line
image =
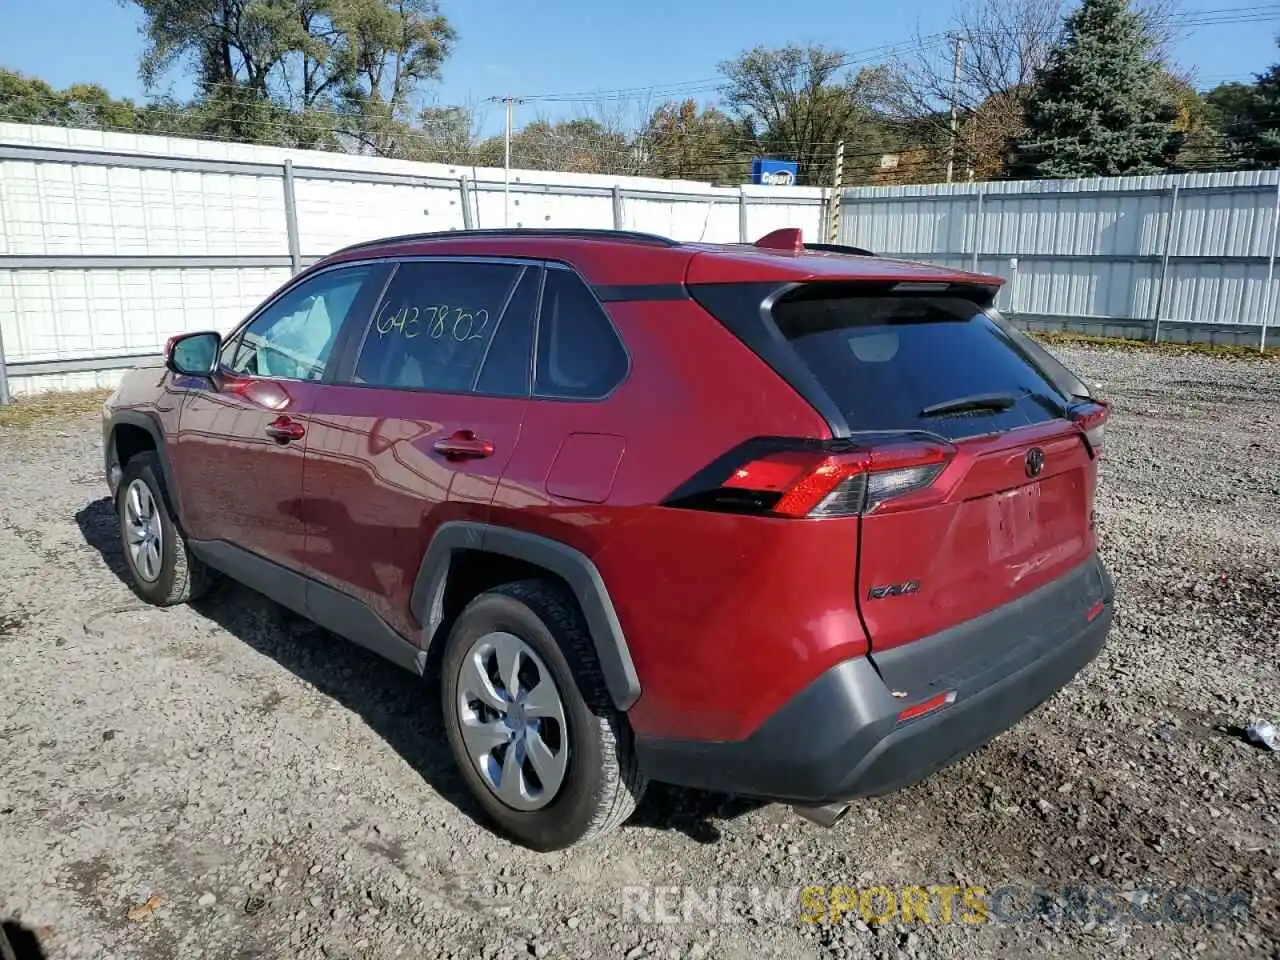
x=955 y=119
x=833 y=218
x=506 y=162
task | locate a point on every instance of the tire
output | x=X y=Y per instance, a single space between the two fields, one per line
x=601 y=782
x=169 y=573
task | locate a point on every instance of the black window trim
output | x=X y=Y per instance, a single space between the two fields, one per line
x=351 y=337
x=537 y=337
x=352 y=317
x=756 y=329
x=352 y=348
x=540 y=280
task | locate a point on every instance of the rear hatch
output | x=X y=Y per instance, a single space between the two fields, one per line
x=968 y=447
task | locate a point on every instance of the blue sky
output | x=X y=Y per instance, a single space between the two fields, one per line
x=533 y=47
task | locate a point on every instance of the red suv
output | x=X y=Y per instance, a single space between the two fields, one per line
x=794 y=523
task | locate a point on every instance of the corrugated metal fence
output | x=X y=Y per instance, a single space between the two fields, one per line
x=110 y=243
x=1186 y=258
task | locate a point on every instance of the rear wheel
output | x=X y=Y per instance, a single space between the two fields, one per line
x=529 y=719
x=162 y=570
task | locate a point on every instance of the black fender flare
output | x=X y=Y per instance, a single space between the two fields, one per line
x=149 y=423
x=582 y=576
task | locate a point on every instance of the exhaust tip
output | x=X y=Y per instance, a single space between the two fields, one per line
x=826 y=815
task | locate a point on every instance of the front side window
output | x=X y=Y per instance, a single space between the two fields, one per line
x=293 y=337
x=453 y=327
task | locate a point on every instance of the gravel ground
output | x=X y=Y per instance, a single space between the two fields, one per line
x=230 y=781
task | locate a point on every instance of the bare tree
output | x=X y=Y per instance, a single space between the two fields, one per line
x=1003 y=44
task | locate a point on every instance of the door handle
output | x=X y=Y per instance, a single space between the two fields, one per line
x=464 y=445
x=284 y=430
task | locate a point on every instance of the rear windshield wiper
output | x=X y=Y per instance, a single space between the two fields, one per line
x=994 y=402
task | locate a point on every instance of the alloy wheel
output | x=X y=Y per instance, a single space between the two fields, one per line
x=143 y=531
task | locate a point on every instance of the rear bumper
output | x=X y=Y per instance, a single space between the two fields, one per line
x=841 y=737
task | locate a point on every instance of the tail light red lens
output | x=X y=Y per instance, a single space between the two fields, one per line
x=1091 y=417
x=814 y=480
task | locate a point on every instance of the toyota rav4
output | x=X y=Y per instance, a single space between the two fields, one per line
x=793 y=523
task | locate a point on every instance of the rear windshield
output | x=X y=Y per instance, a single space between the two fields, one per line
x=935 y=363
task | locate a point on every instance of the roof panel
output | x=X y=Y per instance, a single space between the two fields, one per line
x=623 y=259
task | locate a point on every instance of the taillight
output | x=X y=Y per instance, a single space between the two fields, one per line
x=1091 y=417
x=813 y=479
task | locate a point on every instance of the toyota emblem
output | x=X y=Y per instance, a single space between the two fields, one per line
x=1035 y=461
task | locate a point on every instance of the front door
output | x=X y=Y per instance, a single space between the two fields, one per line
x=419 y=427
x=238 y=455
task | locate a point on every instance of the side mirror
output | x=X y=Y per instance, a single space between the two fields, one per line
x=193 y=354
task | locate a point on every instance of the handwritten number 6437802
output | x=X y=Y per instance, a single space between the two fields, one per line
x=409 y=321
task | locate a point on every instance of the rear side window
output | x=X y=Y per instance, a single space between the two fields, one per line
x=917 y=363
x=579 y=355
x=453 y=327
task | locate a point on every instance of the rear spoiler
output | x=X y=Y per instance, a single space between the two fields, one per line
x=792 y=238
x=840 y=248
x=975 y=291
x=982 y=289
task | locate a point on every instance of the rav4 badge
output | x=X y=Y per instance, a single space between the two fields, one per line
x=893 y=590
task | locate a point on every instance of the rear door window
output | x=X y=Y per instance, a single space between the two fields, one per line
x=453 y=327
x=935 y=363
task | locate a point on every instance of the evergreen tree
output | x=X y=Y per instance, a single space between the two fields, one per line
x=1099 y=107
x=1253 y=129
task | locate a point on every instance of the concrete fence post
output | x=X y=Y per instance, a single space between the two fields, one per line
x=291 y=218
x=464 y=190
x=742 y=215
x=4 y=374
x=617 y=207
x=1166 y=242
x=1267 y=297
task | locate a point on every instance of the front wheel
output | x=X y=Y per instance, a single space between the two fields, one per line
x=162 y=570
x=529 y=719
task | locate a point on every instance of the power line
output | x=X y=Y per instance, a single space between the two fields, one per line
x=1263 y=13
x=844 y=61
x=714 y=148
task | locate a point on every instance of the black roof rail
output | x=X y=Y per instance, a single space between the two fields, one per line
x=840 y=248
x=627 y=236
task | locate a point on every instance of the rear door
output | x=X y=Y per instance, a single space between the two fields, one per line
x=1011 y=511
x=422 y=420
